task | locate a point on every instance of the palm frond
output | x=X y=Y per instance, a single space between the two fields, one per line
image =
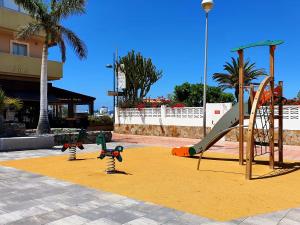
x=13 y=102
x=75 y=42
x=230 y=80
x=28 y=30
x=29 y=5
x=9 y=102
x=63 y=49
x=67 y=8
x=36 y=8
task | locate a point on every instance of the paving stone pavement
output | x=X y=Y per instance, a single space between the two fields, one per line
x=32 y=199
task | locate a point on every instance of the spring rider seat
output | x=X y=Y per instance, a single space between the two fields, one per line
x=72 y=145
x=111 y=154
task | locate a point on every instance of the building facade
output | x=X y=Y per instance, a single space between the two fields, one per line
x=20 y=69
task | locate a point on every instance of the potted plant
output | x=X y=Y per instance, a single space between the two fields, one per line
x=7 y=102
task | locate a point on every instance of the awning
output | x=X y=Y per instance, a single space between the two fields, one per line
x=30 y=96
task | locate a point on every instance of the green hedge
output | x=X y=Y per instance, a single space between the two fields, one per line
x=100 y=121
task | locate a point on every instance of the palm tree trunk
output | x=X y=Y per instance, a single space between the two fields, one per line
x=43 y=125
x=236 y=93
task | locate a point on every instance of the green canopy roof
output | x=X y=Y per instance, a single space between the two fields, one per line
x=260 y=43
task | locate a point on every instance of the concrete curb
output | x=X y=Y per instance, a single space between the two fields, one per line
x=26 y=143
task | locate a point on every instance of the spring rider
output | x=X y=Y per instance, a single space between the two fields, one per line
x=72 y=145
x=111 y=154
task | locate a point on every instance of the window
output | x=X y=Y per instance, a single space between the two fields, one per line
x=19 y=49
x=10 y=4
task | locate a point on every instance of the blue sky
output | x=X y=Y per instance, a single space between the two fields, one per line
x=171 y=32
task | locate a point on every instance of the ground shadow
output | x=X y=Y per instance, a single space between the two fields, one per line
x=81 y=159
x=286 y=168
x=116 y=172
x=281 y=170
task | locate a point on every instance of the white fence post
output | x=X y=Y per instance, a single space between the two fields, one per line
x=163 y=109
x=116 y=115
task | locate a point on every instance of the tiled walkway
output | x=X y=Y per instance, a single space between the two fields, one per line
x=32 y=199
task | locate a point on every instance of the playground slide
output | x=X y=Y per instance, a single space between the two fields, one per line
x=222 y=127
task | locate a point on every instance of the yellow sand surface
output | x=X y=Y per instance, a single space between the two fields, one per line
x=218 y=191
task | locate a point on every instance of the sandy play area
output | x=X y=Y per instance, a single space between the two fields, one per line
x=218 y=191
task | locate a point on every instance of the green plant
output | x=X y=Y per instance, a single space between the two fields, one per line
x=298 y=95
x=140 y=74
x=6 y=102
x=9 y=102
x=48 y=16
x=192 y=95
x=100 y=121
x=230 y=80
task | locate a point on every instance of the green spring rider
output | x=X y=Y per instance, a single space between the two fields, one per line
x=111 y=154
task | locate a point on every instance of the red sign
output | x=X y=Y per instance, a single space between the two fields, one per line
x=217 y=112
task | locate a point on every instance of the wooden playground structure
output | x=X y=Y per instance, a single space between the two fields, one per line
x=262 y=110
x=259 y=111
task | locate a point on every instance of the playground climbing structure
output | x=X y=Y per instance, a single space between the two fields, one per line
x=260 y=113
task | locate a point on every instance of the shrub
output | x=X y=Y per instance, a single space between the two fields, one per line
x=100 y=121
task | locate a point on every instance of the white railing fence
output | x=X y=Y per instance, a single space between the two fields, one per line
x=193 y=116
x=186 y=116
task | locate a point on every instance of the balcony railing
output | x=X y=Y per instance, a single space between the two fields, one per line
x=9 y=4
x=28 y=67
x=12 y=20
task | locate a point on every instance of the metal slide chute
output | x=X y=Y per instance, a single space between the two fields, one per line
x=222 y=127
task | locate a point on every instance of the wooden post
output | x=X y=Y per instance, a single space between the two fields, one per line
x=241 y=107
x=280 y=125
x=91 y=108
x=199 y=160
x=71 y=109
x=251 y=103
x=271 y=128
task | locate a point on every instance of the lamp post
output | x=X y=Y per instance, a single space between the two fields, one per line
x=207 y=5
x=113 y=67
x=118 y=67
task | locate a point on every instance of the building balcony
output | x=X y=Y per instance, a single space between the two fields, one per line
x=27 y=67
x=12 y=20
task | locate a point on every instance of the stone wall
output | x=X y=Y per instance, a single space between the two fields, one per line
x=60 y=139
x=290 y=137
x=61 y=135
x=156 y=130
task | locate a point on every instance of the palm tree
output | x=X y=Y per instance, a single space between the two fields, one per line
x=7 y=102
x=230 y=79
x=47 y=21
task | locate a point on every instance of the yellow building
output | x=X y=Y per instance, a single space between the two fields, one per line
x=20 y=69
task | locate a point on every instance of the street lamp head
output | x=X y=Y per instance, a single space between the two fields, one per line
x=109 y=66
x=207 y=5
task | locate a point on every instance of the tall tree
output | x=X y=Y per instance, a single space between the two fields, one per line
x=140 y=73
x=230 y=80
x=47 y=21
x=192 y=94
